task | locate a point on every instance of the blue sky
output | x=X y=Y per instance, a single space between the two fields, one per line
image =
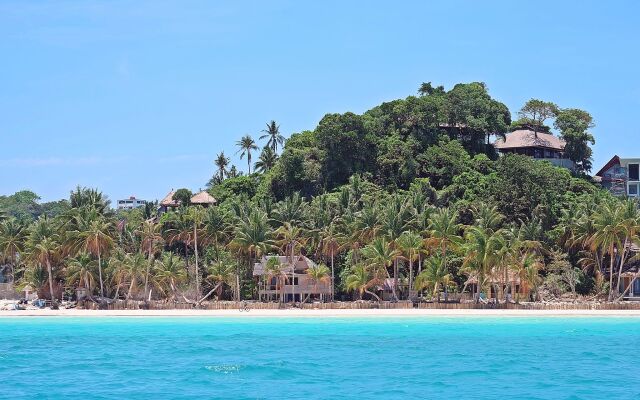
x=138 y=97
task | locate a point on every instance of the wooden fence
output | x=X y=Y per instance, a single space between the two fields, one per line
x=232 y=305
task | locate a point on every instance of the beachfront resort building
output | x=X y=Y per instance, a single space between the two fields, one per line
x=539 y=145
x=202 y=198
x=621 y=176
x=286 y=278
x=130 y=203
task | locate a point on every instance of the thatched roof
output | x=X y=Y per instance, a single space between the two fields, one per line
x=168 y=200
x=527 y=138
x=203 y=198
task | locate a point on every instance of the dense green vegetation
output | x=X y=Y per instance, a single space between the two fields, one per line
x=411 y=190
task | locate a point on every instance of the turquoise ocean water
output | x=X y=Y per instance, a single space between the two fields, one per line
x=305 y=358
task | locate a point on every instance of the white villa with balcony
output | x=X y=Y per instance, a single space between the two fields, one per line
x=621 y=176
x=539 y=145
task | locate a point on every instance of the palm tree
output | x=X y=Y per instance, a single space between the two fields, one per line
x=135 y=266
x=443 y=233
x=246 y=145
x=220 y=273
x=150 y=242
x=274 y=269
x=482 y=247
x=331 y=243
x=253 y=238
x=81 y=271
x=379 y=255
x=607 y=237
x=222 y=162
x=290 y=240
x=97 y=238
x=169 y=272
x=196 y=216
x=360 y=279
x=12 y=241
x=43 y=246
x=410 y=244
x=273 y=134
x=318 y=274
x=267 y=160
x=433 y=276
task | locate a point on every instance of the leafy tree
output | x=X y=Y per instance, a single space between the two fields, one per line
x=534 y=113
x=573 y=125
x=183 y=196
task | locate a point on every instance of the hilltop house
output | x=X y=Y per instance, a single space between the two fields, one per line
x=621 y=176
x=291 y=283
x=202 y=198
x=539 y=145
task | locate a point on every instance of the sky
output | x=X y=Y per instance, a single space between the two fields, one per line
x=137 y=97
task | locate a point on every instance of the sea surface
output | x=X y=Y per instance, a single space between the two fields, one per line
x=317 y=358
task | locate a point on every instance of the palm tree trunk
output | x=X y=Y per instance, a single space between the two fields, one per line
x=146 y=277
x=50 y=272
x=100 y=273
x=611 y=261
x=195 y=249
x=372 y=294
x=410 y=274
x=622 y=260
x=332 y=279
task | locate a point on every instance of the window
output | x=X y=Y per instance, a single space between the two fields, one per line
x=633 y=189
x=634 y=172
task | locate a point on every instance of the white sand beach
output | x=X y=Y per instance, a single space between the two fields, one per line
x=341 y=313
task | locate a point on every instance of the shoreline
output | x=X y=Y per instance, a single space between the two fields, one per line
x=336 y=313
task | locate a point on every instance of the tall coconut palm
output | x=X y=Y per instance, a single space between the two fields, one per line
x=196 y=216
x=607 y=237
x=444 y=233
x=135 y=266
x=222 y=162
x=43 y=246
x=291 y=239
x=318 y=274
x=361 y=280
x=266 y=160
x=246 y=145
x=96 y=237
x=151 y=241
x=81 y=270
x=273 y=134
x=253 y=238
x=410 y=244
x=482 y=254
x=331 y=243
x=13 y=235
x=169 y=272
x=274 y=269
x=378 y=256
x=220 y=273
x=434 y=276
